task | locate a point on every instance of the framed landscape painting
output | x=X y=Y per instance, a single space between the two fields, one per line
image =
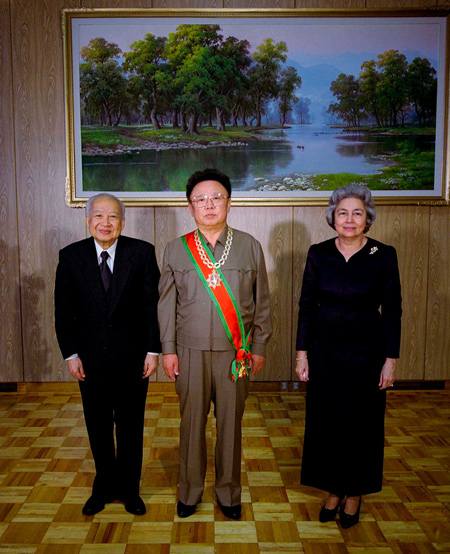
x=289 y=103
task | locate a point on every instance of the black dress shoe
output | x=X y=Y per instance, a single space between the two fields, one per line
x=348 y=520
x=232 y=512
x=328 y=515
x=135 y=506
x=93 y=506
x=185 y=510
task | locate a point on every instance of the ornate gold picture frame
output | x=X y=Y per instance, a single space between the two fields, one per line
x=289 y=103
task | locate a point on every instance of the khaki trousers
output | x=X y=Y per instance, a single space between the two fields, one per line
x=205 y=376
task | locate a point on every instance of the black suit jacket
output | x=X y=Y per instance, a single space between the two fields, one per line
x=111 y=335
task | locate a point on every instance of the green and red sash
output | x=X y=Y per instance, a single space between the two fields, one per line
x=226 y=306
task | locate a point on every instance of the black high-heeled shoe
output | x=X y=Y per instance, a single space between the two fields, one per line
x=348 y=520
x=328 y=515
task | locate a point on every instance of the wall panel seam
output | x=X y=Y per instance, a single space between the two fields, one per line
x=292 y=290
x=427 y=296
x=13 y=130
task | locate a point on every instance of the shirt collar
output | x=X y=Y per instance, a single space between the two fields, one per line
x=111 y=251
x=222 y=237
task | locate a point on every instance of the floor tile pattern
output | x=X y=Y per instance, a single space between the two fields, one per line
x=46 y=471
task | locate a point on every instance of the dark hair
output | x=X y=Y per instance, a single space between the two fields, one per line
x=354 y=190
x=209 y=174
x=103 y=196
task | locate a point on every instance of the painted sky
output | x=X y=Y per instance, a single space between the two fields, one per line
x=309 y=40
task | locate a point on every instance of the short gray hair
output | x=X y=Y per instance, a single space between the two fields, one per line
x=103 y=196
x=354 y=190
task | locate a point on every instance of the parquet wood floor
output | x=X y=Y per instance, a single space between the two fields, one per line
x=46 y=471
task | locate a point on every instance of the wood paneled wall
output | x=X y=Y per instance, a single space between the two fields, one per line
x=11 y=359
x=35 y=223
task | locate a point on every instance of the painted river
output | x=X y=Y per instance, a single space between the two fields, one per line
x=301 y=149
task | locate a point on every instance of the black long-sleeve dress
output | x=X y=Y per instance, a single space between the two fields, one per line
x=348 y=338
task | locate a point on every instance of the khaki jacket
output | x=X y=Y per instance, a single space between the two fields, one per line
x=186 y=313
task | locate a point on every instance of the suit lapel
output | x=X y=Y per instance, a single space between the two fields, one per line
x=122 y=269
x=92 y=275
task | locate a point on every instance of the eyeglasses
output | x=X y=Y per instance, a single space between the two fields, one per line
x=201 y=201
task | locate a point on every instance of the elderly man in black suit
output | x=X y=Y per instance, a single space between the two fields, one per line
x=106 y=295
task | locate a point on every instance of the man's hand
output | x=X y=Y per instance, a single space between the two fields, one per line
x=257 y=363
x=387 y=376
x=150 y=365
x=170 y=365
x=76 y=368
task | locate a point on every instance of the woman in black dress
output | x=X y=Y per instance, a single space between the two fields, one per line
x=348 y=340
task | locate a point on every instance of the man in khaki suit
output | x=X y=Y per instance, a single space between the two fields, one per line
x=214 y=319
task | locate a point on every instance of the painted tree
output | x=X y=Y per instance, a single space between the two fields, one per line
x=421 y=85
x=289 y=82
x=132 y=104
x=263 y=74
x=240 y=106
x=392 y=87
x=193 y=54
x=349 y=107
x=103 y=86
x=388 y=90
x=301 y=110
x=373 y=101
x=230 y=78
x=99 y=51
x=148 y=63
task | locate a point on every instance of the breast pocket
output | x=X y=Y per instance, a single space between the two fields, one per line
x=188 y=285
x=242 y=282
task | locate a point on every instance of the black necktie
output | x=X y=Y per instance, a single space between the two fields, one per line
x=105 y=271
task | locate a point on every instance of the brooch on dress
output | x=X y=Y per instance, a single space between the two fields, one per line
x=373 y=250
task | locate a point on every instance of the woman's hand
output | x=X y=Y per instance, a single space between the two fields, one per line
x=387 y=377
x=302 y=368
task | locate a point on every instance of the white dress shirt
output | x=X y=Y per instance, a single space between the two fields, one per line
x=112 y=254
